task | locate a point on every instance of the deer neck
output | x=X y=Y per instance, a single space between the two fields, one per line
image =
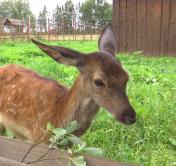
x=80 y=106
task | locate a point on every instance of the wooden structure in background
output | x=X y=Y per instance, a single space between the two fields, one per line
x=13 y=151
x=148 y=25
x=14 y=25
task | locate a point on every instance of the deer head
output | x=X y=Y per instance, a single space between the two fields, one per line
x=103 y=78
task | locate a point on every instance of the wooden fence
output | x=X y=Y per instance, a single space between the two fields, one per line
x=148 y=25
x=49 y=36
x=12 y=152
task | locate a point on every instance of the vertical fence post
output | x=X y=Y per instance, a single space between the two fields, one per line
x=22 y=29
x=28 y=28
x=48 y=29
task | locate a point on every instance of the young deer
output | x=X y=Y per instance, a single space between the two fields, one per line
x=29 y=101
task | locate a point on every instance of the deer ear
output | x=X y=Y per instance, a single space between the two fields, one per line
x=108 y=41
x=62 y=55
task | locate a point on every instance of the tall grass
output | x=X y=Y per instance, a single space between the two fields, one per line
x=151 y=90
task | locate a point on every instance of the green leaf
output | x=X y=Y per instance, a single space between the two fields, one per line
x=59 y=132
x=72 y=126
x=64 y=142
x=139 y=52
x=50 y=126
x=80 y=148
x=10 y=134
x=172 y=141
x=74 y=139
x=70 y=151
x=53 y=139
x=78 y=161
x=94 y=151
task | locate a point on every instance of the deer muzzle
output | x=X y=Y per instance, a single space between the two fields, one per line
x=128 y=116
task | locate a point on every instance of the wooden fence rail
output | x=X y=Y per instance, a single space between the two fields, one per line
x=12 y=151
x=64 y=35
x=51 y=37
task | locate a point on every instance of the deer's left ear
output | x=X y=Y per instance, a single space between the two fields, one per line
x=63 y=55
x=108 y=41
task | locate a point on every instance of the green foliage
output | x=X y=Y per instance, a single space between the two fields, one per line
x=63 y=138
x=96 y=13
x=68 y=13
x=42 y=20
x=16 y=9
x=88 y=13
x=151 y=90
x=92 y=13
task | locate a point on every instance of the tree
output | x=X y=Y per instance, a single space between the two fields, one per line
x=64 y=15
x=58 y=17
x=6 y=9
x=95 y=13
x=16 y=9
x=42 y=20
x=39 y=22
x=103 y=13
x=87 y=11
x=33 y=23
x=68 y=14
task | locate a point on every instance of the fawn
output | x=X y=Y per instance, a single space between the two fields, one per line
x=29 y=101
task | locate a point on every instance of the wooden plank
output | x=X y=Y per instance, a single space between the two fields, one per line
x=141 y=24
x=122 y=30
x=171 y=48
x=8 y=162
x=116 y=20
x=16 y=149
x=153 y=27
x=164 y=27
x=131 y=26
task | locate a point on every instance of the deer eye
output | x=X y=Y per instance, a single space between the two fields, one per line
x=99 y=83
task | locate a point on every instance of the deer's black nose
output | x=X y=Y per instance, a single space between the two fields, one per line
x=129 y=115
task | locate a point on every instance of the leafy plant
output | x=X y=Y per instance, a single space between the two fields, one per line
x=63 y=138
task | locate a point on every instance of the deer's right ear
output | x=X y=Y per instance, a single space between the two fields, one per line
x=62 y=55
x=108 y=41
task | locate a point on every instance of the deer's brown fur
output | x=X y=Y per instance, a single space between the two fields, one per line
x=29 y=101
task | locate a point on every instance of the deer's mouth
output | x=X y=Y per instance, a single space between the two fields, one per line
x=126 y=119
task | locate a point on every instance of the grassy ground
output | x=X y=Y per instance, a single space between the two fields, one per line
x=152 y=92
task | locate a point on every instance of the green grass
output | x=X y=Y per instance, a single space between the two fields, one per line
x=152 y=92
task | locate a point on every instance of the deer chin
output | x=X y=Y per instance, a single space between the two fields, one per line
x=125 y=120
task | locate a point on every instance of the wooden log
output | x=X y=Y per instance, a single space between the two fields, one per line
x=8 y=162
x=16 y=150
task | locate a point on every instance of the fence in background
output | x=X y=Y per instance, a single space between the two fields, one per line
x=148 y=25
x=49 y=36
x=11 y=30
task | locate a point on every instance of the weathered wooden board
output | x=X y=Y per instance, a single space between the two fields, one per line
x=171 y=47
x=147 y=25
x=141 y=25
x=153 y=30
x=131 y=25
x=164 y=27
x=122 y=28
x=116 y=20
x=8 y=162
x=16 y=150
